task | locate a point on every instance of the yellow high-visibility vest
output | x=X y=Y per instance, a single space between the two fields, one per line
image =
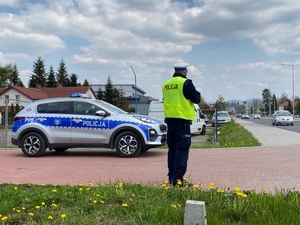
x=175 y=104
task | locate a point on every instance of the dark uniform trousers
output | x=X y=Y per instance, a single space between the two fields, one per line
x=179 y=142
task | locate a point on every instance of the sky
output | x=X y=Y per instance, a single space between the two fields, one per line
x=235 y=49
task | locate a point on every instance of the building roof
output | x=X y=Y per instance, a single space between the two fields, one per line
x=48 y=92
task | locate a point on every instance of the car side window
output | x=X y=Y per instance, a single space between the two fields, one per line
x=54 y=107
x=85 y=108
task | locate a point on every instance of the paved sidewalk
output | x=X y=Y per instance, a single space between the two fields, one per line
x=272 y=166
x=271 y=136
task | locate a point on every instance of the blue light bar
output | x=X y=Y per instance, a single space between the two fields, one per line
x=79 y=95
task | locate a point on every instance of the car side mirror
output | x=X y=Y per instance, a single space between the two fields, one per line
x=101 y=113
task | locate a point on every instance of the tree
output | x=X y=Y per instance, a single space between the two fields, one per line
x=62 y=74
x=274 y=104
x=113 y=95
x=5 y=73
x=283 y=98
x=14 y=78
x=85 y=83
x=221 y=104
x=74 y=80
x=289 y=107
x=100 y=94
x=39 y=74
x=203 y=104
x=266 y=96
x=51 y=82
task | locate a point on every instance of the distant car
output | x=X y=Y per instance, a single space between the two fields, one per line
x=245 y=116
x=206 y=118
x=256 y=116
x=239 y=116
x=222 y=117
x=282 y=117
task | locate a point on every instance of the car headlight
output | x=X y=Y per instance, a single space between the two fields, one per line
x=144 y=119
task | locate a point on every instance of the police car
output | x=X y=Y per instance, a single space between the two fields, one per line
x=79 y=121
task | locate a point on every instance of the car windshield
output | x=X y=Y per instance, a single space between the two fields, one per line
x=110 y=107
x=223 y=114
x=283 y=114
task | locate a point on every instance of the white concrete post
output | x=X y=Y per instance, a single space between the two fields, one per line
x=195 y=213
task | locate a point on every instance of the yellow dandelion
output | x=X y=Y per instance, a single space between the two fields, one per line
x=50 y=217
x=228 y=187
x=18 y=210
x=179 y=182
x=179 y=205
x=167 y=188
x=43 y=203
x=174 y=206
x=23 y=208
x=196 y=186
x=95 y=201
x=211 y=185
x=244 y=195
x=102 y=202
x=166 y=182
x=265 y=191
x=88 y=189
x=124 y=205
x=54 y=190
x=31 y=214
x=4 y=218
x=54 y=205
x=236 y=189
x=37 y=207
x=80 y=189
x=63 y=215
x=80 y=185
x=15 y=188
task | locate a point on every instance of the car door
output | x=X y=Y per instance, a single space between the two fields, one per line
x=54 y=119
x=87 y=127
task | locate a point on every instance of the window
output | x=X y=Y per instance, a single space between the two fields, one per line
x=17 y=98
x=7 y=97
x=85 y=108
x=54 y=107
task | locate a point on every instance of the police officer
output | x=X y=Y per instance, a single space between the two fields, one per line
x=179 y=94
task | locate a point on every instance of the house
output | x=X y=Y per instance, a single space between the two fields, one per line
x=21 y=95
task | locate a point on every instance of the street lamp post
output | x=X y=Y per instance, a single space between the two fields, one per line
x=270 y=96
x=135 y=91
x=293 y=80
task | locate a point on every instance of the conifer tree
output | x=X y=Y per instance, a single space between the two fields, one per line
x=74 y=80
x=39 y=74
x=15 y=79
x=62 y=76
x=51 y=82
x=85 y=83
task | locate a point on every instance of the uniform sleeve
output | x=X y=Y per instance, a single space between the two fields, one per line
x=190 y=92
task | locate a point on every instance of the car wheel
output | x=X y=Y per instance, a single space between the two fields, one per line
x=128 y=144
x=33 y=144
x=60 y=149
x=203 y=131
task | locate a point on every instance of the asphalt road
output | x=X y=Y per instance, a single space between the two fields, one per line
x=267 y=122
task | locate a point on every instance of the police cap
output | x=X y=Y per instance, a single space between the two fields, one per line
x=180 y=66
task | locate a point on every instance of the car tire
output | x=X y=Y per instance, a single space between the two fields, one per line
x=60 y=149
x=203 y=131
x=128 y=144
x=33 y=144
